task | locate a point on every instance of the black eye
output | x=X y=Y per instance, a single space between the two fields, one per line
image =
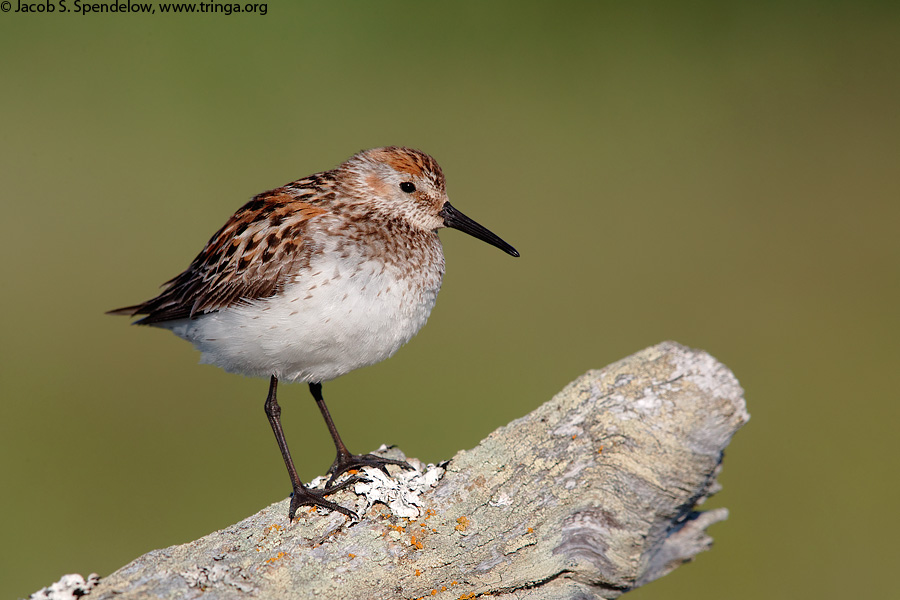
x=408 y=187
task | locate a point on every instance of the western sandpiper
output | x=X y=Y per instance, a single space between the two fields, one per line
x=309 y=281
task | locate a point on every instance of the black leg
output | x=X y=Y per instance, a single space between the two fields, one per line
x=302 y=495
x=345 y=460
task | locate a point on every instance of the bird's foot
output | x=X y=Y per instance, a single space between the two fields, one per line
x=304 y=496
x=346 y=461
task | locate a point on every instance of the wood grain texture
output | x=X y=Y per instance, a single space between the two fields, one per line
x=589 y=496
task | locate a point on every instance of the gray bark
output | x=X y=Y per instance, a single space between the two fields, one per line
x=589 y=496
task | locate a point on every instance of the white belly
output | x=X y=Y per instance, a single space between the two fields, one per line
x=334 y=318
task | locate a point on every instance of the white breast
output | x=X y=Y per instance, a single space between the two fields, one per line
x=337 y=316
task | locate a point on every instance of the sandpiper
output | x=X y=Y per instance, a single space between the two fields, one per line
x=311 y=280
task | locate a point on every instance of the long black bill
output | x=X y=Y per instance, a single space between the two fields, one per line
x=456 y=220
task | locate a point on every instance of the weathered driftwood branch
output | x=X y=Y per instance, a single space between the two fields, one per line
x=589 y=496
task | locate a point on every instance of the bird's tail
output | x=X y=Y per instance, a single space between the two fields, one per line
x=127 y=311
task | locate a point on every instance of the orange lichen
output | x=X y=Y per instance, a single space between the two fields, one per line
x=278 y=556
x=397 y=528
x=600 y=450
x=433 y=592
x=351 y=555
x=462 y=523
x=416 y=543
x=443 y=588
x=574 y=436
x=531 y=530
x=418 y=572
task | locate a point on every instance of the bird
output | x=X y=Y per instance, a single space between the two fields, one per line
x=311 y=280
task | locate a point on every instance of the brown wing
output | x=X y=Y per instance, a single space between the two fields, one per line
x=252 y=256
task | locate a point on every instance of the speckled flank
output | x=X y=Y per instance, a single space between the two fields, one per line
x=260 y=247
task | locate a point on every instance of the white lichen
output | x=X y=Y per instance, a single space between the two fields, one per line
x=69 y=587
x=400 y=493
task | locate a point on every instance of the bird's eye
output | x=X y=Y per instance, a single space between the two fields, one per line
x=408 y=187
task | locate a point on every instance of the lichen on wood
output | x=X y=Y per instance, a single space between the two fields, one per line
x=590 y=495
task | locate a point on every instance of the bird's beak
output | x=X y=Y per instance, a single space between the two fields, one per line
x=456 y=220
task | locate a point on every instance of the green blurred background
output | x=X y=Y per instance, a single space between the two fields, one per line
x=726 y=175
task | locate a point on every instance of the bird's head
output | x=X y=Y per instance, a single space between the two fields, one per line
x=402 y=183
